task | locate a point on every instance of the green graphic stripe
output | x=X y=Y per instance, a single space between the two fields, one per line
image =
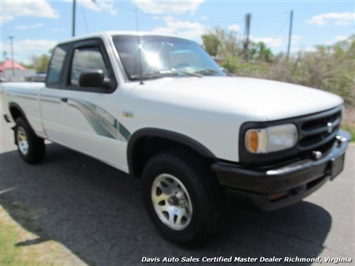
x=100 y=120
x=124 y=131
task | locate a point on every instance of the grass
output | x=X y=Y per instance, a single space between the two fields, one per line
x=8 y=254
x=19 y=247
x=350 y=129
x=11 y=234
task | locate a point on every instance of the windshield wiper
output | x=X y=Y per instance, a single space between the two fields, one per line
x=187 y=73
x=155 y=74
x=165 y=73
x=207 y=71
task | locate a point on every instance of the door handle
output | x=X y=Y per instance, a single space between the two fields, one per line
x=64 y=99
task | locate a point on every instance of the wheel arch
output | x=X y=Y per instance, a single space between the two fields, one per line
x=147 y=142
x=16 y=112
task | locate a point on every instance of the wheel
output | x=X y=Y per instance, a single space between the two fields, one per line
x=182 y=197
x=30 y=147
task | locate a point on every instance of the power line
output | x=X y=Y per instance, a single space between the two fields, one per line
x=271 y=16
x=74 y=17
x=133 y=10
x=85 y=21
x=223 y=22
x=279 y=31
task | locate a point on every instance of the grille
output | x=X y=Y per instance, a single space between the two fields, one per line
x=318 y=131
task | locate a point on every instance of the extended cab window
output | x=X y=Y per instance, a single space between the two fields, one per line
x=86 y=59
x=56 y=66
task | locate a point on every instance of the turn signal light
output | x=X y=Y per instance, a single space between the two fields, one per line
x=270 y=139
x=252 y=141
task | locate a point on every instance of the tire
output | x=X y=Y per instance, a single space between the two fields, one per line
x=30 y=147
x=182 y=197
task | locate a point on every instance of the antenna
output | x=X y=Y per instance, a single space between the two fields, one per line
x=139 y=48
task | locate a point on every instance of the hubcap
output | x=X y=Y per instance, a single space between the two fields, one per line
x=171 y=202
x=22 y=141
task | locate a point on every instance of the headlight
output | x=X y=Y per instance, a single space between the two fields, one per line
x=270 y=139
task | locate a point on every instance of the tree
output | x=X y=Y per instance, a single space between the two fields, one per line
x=211 y=43
x=260 y=52
x=329 y=67
x=40 y=63
x=222 y=43
x=28 y=66
x=227 y=45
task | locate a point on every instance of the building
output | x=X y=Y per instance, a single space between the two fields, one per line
x=12 y=71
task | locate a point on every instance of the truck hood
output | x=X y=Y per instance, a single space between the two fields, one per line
x=257 y=98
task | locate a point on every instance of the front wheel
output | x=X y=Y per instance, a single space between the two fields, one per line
x=182 y=197
x=30 y=147
x=171 y=202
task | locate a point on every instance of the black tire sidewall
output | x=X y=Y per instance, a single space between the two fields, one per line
x=35 y=144
x=202 y=218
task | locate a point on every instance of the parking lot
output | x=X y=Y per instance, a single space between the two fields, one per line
x=96 y=212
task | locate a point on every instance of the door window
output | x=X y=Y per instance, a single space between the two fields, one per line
x=85 y=59
x=56 y=66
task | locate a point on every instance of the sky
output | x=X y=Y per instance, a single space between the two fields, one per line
x=37 y=25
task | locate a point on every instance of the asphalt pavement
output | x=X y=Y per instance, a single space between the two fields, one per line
x=97 y=213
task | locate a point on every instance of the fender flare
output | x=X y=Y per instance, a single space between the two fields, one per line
x=135 y=141
x=22 y=114
x=15 y=105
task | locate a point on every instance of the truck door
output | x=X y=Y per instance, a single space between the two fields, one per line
x=88 y=115
x=50 y=103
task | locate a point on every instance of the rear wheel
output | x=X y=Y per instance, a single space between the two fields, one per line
x=30 y=147
x=182 y=197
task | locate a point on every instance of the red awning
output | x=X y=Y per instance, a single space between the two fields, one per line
x=8 y=64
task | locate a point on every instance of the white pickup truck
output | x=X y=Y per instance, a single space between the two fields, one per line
x=159 y=108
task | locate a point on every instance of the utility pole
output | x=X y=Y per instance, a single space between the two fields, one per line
x=290 y=35
x=247 y=34
x=74 y=13
x=12 y=56
x=74 y=16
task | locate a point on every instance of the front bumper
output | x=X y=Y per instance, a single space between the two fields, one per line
x=270 y=189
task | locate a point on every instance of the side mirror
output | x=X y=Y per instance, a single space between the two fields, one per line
x=94 y=78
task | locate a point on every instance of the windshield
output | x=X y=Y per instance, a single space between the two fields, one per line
x=163 y=56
